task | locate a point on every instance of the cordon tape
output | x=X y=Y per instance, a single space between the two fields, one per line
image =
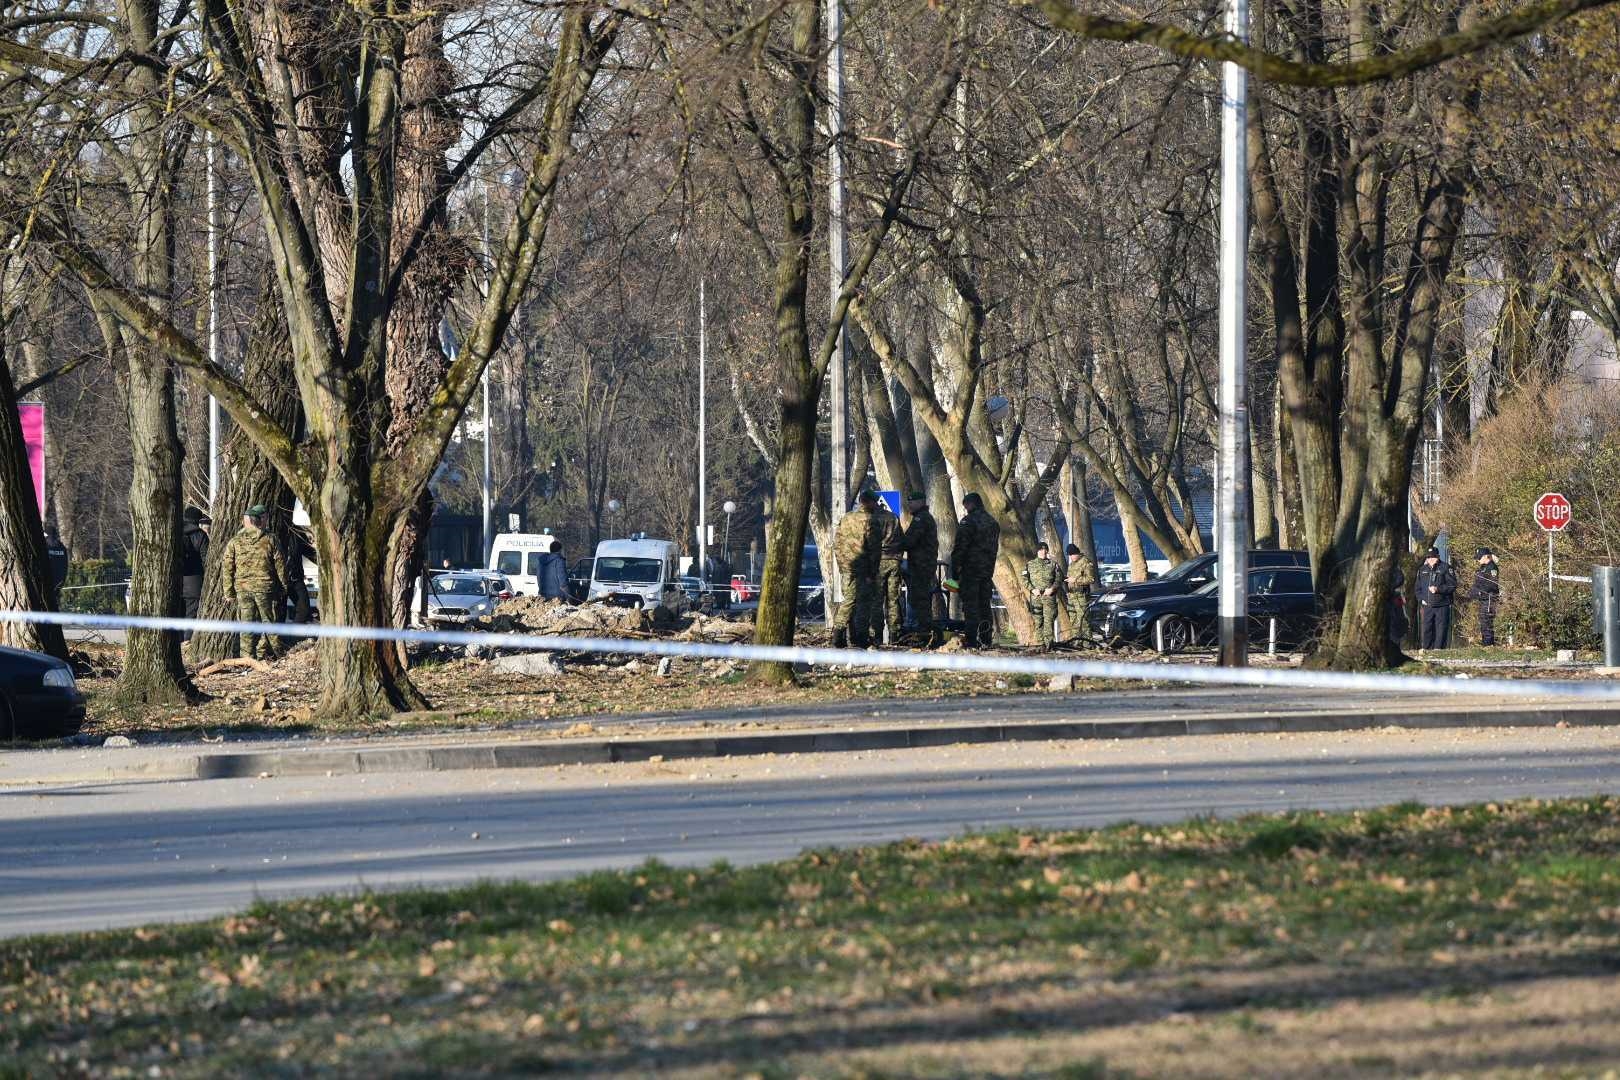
x=1192 y=674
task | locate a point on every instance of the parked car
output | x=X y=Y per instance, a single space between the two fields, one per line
x=1188 y=577
x=39 y=698
x=1280 y=595
x=459 y=597
x=708 y=598
x=743 y=590
x=812 y=589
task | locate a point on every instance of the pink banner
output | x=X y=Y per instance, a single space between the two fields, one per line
x=32 y=415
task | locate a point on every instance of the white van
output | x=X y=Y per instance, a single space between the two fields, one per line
x=638 y=573
x=516 y=557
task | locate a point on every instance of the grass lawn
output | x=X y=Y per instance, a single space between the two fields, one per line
x=1477 y=940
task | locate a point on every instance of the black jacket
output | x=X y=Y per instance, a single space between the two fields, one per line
x=1444 y=580
x=1487 y=584
x=193 y=555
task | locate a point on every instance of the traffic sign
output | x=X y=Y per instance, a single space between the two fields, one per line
x=1553 y=512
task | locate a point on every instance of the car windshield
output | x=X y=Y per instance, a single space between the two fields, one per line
x=458 y=585
x=1187 y=569
x=624 y=570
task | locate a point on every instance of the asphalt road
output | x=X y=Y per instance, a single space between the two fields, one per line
x=90 y=856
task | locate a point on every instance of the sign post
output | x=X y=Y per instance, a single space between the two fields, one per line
x=1553 y=513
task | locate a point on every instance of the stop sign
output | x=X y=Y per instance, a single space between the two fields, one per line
x=1553 y=512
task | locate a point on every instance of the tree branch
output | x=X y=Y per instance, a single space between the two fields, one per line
x=1278 y=69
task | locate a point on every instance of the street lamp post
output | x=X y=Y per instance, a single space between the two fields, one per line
x=1232 y=477
x=703 y=441
x=614 y=506
x=730 y=508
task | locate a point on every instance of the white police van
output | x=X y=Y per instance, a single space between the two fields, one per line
x=516 y=557
x=638 y=573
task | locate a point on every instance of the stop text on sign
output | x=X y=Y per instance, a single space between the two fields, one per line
x=1553 y=512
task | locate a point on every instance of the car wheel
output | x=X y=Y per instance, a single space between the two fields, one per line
x=1172 y=634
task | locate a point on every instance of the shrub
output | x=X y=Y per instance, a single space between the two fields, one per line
x=94 y=601
x=1561 y=437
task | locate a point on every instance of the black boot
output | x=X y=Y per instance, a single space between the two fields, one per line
x=840 y=638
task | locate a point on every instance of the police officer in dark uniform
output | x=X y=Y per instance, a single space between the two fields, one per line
x=1436 y=586
x=1486 y=592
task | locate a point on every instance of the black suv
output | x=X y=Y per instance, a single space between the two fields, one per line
x=1191 y=575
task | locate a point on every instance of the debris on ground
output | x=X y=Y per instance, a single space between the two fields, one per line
x=527 y=663
x=539 y=615
x=716 y=629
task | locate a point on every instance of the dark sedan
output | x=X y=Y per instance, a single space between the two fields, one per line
x=38 y=697
x=1280 y=600
x=1185 y=578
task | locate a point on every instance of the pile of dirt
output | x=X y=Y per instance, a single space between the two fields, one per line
x=538 y=615
x=717 y=629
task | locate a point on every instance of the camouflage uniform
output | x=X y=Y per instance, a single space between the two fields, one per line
x=920 y=541
x=1041 y=578
x=887 y=606
x=856 y=546
x=1077 y=583
x=253 y=577
x=973 y=564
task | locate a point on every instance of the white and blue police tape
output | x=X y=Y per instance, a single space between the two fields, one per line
x=898 y=659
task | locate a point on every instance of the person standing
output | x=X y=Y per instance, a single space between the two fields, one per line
x=1436 y=585
x=193 y=557
x=887 y=607
x=920 y=542
x=554 y=573
x=1078 y=578
x=1041 y=579
x=857 y=545
x=973 y=565
x=252 y=578
x=1486 y=592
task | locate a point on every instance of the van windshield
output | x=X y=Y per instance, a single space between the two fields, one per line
x=626 y=570
x=509 y=562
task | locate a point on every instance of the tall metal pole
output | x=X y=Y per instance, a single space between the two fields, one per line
x=837 y=243
x=1232 y=533
x=703 y=433
x=489 y=471
x=213 y=319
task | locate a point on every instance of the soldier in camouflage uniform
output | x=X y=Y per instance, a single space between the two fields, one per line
x=1078 y=579
x=1041 y=579
x=920 y=542
x=857 y=545
x=973 y=565
x=887 y=607
x=253 y=578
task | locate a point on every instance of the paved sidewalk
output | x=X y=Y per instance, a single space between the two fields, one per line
x=832 y=727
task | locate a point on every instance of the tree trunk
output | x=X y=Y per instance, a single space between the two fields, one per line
x=777 y=618
x=25 y=573
x=153 y=673
x=354 y=541
x=1128 y=516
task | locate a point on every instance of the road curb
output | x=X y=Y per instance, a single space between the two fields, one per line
x=314 y=761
